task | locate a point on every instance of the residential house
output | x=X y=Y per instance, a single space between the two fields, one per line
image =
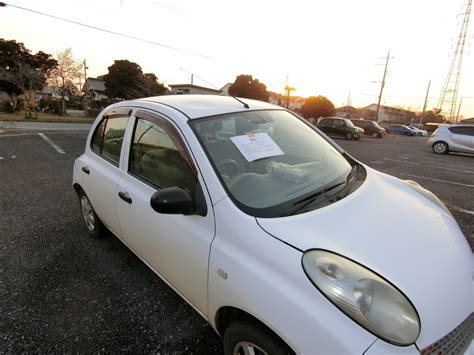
x=295 y=103
x=183 y=89
x=388 y=115
x=94 y=88
x=347 y=112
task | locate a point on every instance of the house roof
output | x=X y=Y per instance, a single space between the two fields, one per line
x=389 y=108
x=189 y=86
x=97 y=85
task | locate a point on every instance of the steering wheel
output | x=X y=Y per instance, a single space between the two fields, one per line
x=227 y=168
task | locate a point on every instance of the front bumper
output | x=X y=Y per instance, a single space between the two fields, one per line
x=455 y=342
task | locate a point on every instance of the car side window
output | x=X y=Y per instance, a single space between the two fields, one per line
x=108 y=137
x=158 y=156
x=325 y=123
x=470 y=131
x=460 y=130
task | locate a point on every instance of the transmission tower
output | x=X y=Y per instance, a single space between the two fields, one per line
x=449 y=95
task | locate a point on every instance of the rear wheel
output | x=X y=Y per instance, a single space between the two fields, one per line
x=93 y=224
x=440 y=148
x=244 y=337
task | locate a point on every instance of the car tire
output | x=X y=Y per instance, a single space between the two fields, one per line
x=243 y=336
x=349 y=136
x=409 y=134
x=93 y=224
x=440 y=148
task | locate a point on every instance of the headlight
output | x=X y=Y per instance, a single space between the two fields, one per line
x=364 y=296
x=428 y=194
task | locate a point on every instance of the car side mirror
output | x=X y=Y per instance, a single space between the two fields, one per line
x=175 y=200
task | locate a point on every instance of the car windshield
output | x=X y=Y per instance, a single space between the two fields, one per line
x=349 y=123
x=269 y=160
x=375 y=124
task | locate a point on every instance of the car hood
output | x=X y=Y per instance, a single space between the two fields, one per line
x=398 y=233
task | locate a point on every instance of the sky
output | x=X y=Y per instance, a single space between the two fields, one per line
x=331 y=48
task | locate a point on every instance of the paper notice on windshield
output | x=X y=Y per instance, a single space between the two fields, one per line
x=256 y=146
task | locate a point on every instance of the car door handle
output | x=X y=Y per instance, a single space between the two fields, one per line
x=125 y=196
x=86 y=170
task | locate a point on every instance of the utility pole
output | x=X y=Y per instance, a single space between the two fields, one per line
x=426 y=101
x=347 y=105
x=85 y=81
x=382 y=86
x=459 y=109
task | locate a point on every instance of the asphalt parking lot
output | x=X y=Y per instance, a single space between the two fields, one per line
x=61 y=291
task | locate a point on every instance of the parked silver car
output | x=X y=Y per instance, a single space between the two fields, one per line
x=452 y=138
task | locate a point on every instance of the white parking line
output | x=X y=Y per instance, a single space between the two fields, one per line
x=437 y=180
x=451 y=169
x=459 y=209
x=401 y=161
x=34 y=134
x=52 y=144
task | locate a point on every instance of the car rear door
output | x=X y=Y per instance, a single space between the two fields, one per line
x=175 y=246
x=461 y=138
x=100 y=167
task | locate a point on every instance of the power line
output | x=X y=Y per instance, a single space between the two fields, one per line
x=2 y=4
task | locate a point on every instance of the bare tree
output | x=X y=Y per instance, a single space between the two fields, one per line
x=64 y=75
x=27 y=79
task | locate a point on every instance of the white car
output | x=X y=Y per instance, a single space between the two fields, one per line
x=419 y=131
x=277 y=237
x=452 y=138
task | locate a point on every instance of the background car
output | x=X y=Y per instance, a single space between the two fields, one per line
x=400 y=129
x=340 y=127
x=419 y=131
x=452 y=138
x=371 y=128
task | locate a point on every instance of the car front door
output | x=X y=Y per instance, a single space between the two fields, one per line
x=174 y=245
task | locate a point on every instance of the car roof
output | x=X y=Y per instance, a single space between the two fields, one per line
x=197 y=106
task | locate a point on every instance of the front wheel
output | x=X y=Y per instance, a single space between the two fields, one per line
x=246 y=337
x=374 y=135
x=349 y=136
x=440 y=148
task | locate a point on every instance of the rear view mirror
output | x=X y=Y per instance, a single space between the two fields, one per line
x=173 y=200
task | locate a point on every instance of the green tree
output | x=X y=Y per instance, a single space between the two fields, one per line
x=126 y=80
x=151 y=85
x=248 y=87
x=22 y=72
x=433 y=116
x=64 y=76
x=318 y=106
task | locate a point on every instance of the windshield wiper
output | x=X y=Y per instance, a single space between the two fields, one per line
x=308 y=200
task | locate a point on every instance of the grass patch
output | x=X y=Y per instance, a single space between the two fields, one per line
x=43 y=117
